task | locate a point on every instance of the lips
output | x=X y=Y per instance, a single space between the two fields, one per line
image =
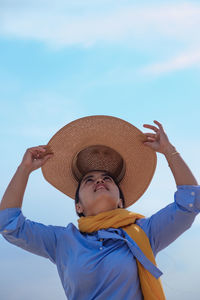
x=100 y=186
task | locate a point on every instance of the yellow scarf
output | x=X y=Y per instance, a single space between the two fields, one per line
x=122 y=218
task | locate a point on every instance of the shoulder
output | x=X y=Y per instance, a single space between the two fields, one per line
x=70 y=231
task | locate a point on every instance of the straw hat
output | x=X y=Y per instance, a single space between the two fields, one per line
x=100 y=143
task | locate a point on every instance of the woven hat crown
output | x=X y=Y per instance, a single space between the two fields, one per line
x=98 y=157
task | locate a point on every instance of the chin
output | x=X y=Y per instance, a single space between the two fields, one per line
x=105 y=208
x=105 y=203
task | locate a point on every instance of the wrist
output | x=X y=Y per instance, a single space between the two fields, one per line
x=171 y=154
x=169 y=150
x=24 y=169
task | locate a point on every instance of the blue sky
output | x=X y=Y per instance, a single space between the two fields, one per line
x=138 y=61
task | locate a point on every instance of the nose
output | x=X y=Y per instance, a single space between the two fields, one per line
x=98 y=180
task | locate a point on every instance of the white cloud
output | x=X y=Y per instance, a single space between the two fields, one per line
x=73 y=26
x=182 y=61
x=148 y=28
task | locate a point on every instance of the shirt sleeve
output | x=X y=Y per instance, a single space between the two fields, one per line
x=169 y=223
x=28 y=235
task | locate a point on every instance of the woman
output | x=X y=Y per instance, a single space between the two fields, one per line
x=105 y=164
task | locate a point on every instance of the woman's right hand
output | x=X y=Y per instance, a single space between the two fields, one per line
x=36 y=157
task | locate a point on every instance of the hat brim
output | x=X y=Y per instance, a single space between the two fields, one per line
x=121 y=136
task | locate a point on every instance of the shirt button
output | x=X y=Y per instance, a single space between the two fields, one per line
x=192 y=193
x=101 y=248
x=190 y=205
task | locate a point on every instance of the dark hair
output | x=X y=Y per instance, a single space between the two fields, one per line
x=77 y=199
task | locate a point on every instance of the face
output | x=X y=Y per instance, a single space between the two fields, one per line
x=98 y=193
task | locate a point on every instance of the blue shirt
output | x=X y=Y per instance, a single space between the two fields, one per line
x=102 y=265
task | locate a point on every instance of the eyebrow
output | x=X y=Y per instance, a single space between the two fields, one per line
x=84 y=179
x=91 y=176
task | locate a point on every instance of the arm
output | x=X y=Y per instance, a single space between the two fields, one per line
x=181 y=172
x=31 y=236
x=160 y=143
x=33 y=159
x=169 y=223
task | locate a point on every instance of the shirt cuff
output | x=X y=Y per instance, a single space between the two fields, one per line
x=188 y=197
x=9 y=219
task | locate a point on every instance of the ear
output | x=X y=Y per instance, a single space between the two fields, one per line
x=120 y=204
x=79 y=208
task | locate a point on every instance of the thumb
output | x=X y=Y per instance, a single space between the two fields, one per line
x=45 y=158
x=150 y=145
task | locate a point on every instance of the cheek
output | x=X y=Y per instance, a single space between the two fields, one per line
x=85 y=195
x=115 y=191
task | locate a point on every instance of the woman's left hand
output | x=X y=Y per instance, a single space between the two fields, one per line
x=158 y=141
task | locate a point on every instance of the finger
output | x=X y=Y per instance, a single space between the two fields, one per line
x=43 y=155
x=149 y=144
x=42 y=158
x=159 y=124
x=35 y=153
x=148 y=134
x=46 y=158
x=151 y=127
x=150 y=139
x=48 y=149
x=38 y=148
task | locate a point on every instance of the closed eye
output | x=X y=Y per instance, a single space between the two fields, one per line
x=107 y=178
x=88 y=179
x=91 y=179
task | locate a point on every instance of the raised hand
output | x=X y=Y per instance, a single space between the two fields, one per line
x=36 y=157
x=158 y=141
